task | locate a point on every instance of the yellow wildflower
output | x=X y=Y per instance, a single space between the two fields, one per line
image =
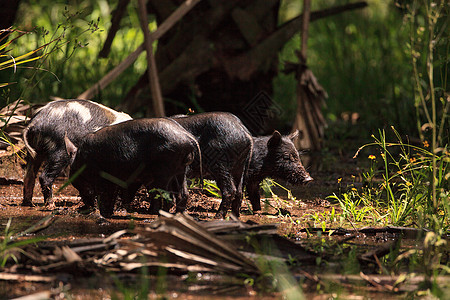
x=412 y=159
x=408 y=183
x=372 y=157
x=354 y=189
x=425 y=144
x=339 y=180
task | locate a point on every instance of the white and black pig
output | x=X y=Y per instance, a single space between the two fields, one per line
x=44 y=139
x=274 y=156
x=226 y=147
x=118 y=159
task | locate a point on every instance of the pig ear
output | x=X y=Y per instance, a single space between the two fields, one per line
x=70 y=147
x=274 y=140
x=293 y=136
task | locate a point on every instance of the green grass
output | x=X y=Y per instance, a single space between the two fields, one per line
x=397 y=188
x=11 y=243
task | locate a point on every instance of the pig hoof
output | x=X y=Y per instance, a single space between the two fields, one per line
x=51 y=206
x=256 y=208
x=85 y=209
x=178 y=209
x=256 y=211
x=102 y=221
x=220 y=216
x=27 y=203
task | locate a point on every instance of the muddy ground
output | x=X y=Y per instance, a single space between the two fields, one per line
x=292 y=216
x=70 y=225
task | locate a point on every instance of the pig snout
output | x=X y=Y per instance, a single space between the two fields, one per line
x=303 y=177
x=296 y=174
x=300 y=177
x=307 y=179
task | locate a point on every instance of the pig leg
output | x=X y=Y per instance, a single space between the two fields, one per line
x=88 y=203
x=88 y=199
x=155 y=206
x=171 y=184
x=228 y=189
x=86 y=193
x=237 y=202
x=29 y=180
x=53 y=167
x=181 y=192
x=127 y=195
x=106 y=200
x=253 y=195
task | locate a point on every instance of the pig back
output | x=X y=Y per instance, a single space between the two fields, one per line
x=72 y=118
x=224 y=141
x=147 y=149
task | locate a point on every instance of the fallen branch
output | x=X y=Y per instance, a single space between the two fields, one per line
x=380 y=251
x=22 y=277
x=406 y=232
x=399 y=283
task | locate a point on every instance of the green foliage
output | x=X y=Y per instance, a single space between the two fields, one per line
x=398 y=186
x=210 y=186
x=7 y=60
x=162 y=195
x=414 y=180
x=74 y=65
x=327 y=219
x=360 y=58
x=267 y=186
x=10 y=245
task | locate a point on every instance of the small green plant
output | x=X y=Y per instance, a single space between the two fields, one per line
x=211 y=187
x=357 y=205
x=326 y=219
x=208 y=185
x=319 y=220
x=10 y=244
x=405 y=191
x=161 y=195
x=267 y=186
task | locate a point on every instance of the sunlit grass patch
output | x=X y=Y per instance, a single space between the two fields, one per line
x=397 y=187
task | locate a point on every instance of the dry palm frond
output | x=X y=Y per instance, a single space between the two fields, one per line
x=13 y=118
